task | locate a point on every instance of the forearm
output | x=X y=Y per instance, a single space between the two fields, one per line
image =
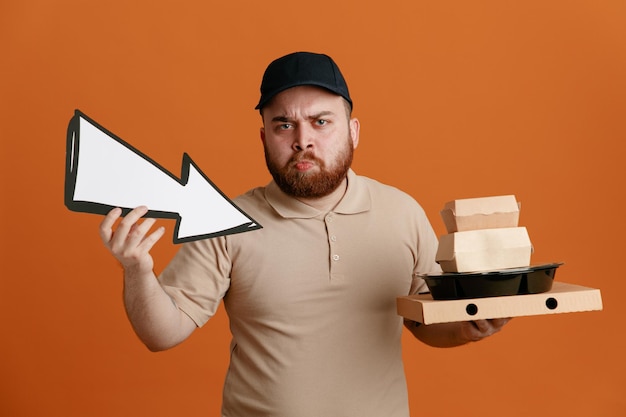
x=155 y=318
x=437 y=335
x=455 y=334
x=157 y=321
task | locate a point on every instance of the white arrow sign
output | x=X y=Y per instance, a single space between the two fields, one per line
x=102 y=172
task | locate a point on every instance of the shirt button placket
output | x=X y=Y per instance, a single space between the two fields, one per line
x=334 y=256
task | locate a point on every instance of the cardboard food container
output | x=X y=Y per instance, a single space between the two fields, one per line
x=481 y=213
x=515 y=281
x=562 y=298
x=484 y=250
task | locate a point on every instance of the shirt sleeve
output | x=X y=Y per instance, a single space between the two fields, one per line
x=427 y=244
x=198 y=277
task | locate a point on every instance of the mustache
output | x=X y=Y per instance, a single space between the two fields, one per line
x=304 y=155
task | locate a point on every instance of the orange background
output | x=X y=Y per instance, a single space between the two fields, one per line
x=456 y=99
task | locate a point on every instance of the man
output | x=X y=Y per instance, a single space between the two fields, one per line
x=311 y=296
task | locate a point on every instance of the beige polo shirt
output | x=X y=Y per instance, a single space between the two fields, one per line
x=311 y=299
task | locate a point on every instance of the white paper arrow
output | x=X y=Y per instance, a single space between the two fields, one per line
x=103 y=172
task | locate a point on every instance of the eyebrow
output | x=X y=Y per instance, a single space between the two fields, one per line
x=311 y=117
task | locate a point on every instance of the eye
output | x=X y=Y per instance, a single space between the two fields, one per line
x=285 y=126
x=321 y=122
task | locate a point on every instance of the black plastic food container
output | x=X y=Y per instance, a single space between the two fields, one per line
x=514 y=281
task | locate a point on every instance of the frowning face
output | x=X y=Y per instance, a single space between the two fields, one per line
x=309 y=140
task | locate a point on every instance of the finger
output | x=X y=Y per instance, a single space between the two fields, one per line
x=125 y=226
x=498 y=324
x=138 y=232
x=469 y=331
x=152 y=239
x=483 y=326
x=136 y=214
x=106 y=226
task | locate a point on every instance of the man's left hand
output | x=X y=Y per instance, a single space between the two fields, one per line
x=473 y=331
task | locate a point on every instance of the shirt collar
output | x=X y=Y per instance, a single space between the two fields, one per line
x=356 y=200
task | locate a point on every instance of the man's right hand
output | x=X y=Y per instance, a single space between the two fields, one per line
x=130 y=242
x=154 y=316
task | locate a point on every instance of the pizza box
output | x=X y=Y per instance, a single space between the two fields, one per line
x=561 y=298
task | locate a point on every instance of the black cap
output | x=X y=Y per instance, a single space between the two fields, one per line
x=302 y=68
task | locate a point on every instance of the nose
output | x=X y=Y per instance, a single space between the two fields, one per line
x=303 y=138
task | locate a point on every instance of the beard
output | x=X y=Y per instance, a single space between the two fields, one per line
x=311 y=185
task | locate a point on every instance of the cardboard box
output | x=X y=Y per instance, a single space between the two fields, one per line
x=481 y=213
x=484 y=250
x=562 y=298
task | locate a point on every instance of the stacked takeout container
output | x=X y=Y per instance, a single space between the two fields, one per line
x=485 y=258
x=483 y=235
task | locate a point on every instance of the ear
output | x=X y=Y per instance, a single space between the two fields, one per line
x=262 y=132
x=355 y=128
